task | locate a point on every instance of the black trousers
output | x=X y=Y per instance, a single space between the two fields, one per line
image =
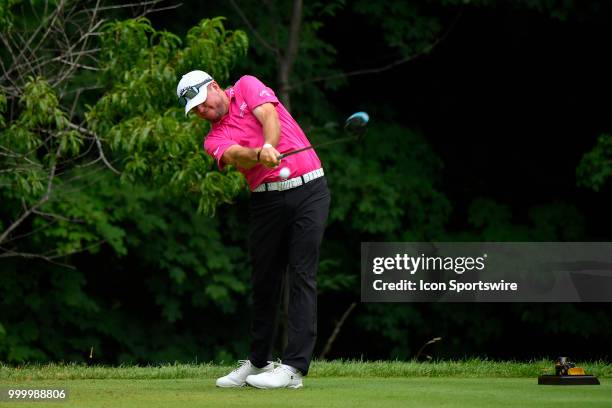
x=286 y=229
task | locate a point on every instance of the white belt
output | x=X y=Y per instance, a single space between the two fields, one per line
x=291 y=183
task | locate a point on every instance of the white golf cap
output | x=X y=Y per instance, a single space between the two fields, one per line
x=190 y=79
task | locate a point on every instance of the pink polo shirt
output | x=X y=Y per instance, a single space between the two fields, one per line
x=241 y=127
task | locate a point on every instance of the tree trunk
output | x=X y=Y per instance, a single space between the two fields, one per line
x=284 y=72
x=288 y=58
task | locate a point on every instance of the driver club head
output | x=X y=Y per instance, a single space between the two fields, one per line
x=357 y=122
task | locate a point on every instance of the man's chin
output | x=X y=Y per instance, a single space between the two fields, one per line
x=217 y=118
x=214 y=119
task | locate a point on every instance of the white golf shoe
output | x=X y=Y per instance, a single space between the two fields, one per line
x=281 y=376
x=238 y=376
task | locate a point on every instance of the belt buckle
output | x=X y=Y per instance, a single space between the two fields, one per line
x=292 y=183
x=285 y=185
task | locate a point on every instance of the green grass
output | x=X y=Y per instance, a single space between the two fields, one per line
x=319 y=369
x=329 y=392
x=472 y=383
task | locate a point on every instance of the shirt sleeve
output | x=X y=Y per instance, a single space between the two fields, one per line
x=216 y=144
x=255 y=92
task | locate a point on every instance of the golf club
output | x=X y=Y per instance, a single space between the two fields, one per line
x=355 y=126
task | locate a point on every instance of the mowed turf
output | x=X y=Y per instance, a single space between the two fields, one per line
x=327 y=392
x=332 y=384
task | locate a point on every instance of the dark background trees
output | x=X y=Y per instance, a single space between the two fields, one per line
x=490 y=122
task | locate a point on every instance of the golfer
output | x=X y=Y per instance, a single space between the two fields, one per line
x=249 y=130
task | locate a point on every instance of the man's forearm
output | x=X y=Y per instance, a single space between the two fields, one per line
x=240 y=156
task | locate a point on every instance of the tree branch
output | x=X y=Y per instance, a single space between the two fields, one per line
x=29 y=211
x=259 y=38
x=74 y=64
x=286 y=63
x=98 y=143
x=432 y=341
x=336 y=331
x=59 y=217
x=294 y=34
x=10 y=254
x=141 y=4
x=18 y=237
x=383 y=68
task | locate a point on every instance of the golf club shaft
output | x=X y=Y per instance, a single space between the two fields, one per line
x=344 y=139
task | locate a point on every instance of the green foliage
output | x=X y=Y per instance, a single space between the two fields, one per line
x=377 y=196
x=596 y=166
x=557 y=9
x=138 y=114
x=493 y=222
x=210 y=45
x=154 y=279
x=410 y=28
x=166 y=178
x=391 y=195
x=49 y=297
x=316 y=58
x=404 y=25
x=86 y=222
x=6 y=14
x=560 y=10
x=188 y=270
x=199 y=268
x=2 y=109
x=36 y=138
x=490 y=222
x=269 y=42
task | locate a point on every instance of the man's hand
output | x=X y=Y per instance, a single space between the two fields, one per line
x=268 y=157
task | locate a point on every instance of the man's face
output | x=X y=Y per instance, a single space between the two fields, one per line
x=214 y=107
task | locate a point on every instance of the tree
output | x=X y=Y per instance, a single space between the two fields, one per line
x=43 y=139
x=141 y=277
x=595 y=168
x=93 y=154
